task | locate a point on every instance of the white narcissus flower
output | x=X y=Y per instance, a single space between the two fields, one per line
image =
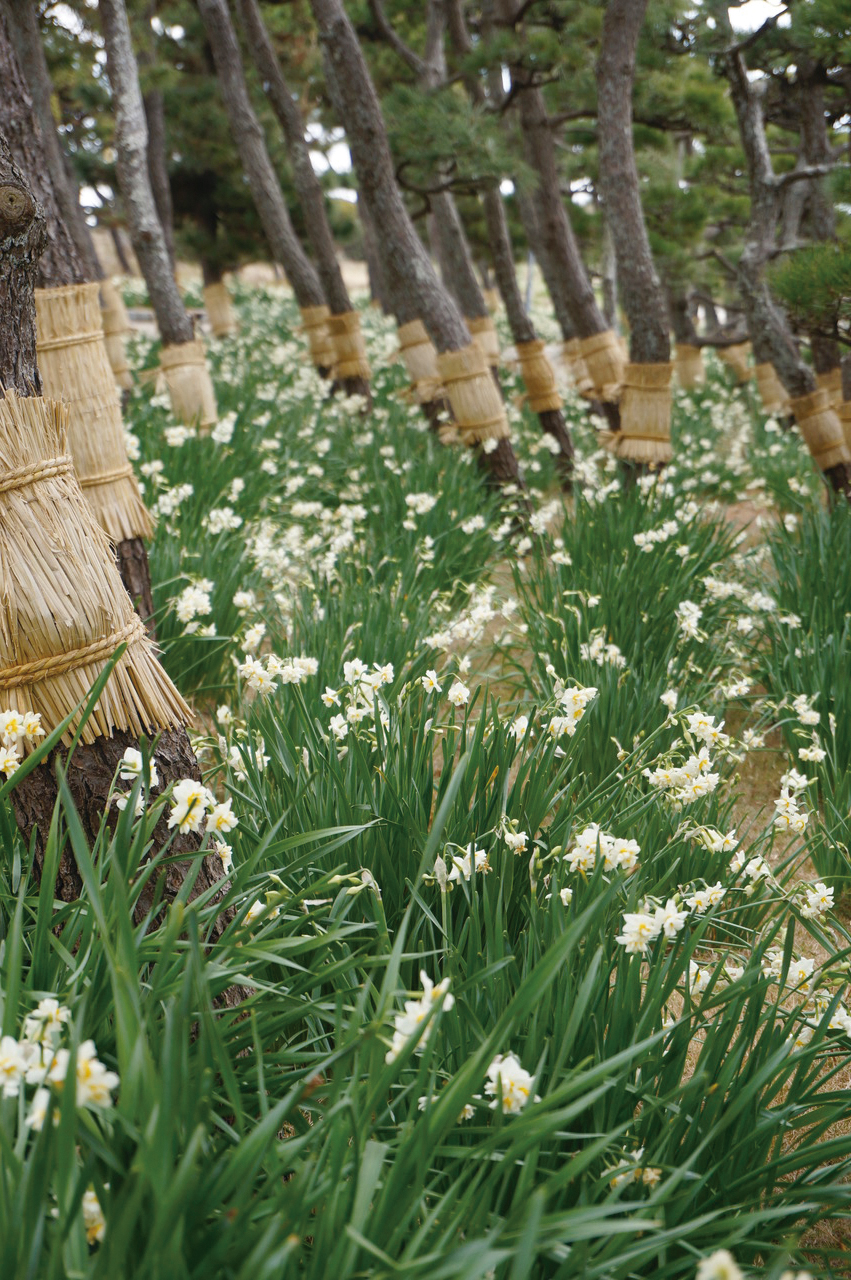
x=430 y=682
x=720 y=1265
x=408 y=1023
x=190 y=801
x=639 y=930
x=506 y=1077
x=93 y=1219
x=473 y=859
x=130 y=767
x=459 y=694
x=222 y=818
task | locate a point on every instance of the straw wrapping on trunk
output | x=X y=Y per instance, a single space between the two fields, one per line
x=844 y=414
x=75 y=369
x=314 y=323
x=474 y=397
x=63 y=608
x=821 y=428
x=219 y=308
x=485 y=336
x=645 y=434
x=350 y=359
x=193 y=399
x=736 y=358
x=538 y=376
x=492 y=299
x=571 y=355
x=604 y=361
x=772 y=393
x=116 y=324
x=420 y=358
x=689 y=366
x=831 y=382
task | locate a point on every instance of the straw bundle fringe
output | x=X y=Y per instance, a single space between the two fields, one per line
x=350 y=359
x=772 y=393
x=571 y=355
x=645 y=434
x=219 y=308
x=538 y=376
x=75 y=368
x=821 y=428
x=476 y=403
x=604 y=361
x=116 y=324
x=193 y=399
x=63 y=609
x=736 y=359
x=689 y=366
x=417 y=351
x=314 y=323
x=485 y=336
x=831 y=382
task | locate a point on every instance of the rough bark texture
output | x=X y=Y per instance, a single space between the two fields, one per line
x=682 y=319
x=819 y=214
x=455 y=253
x=527 y=208
x=609 y=273
x=22 y=19
x=120 y=251
x=408 y=267
x=131 y=140
x=248 y=139
x=61 y=262
x=154 y=105
x=132 y=560
x=23 y=237
x=640 y=288
x=374 y=266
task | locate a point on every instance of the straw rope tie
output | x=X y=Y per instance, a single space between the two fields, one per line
x=43 y=470
x=58 y=664
x=107 y=477
x=69 y=340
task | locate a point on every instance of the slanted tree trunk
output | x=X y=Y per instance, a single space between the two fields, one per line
x=154 y=105
x=770 y=334
x=463 y=282
x=250 y=144
x=375 y=270
x=609 y=272
x=307 y=185
x=120 y=251
x=131 y=140
x=819 y=213
x=408 y=266
x=22 y=21
x=62 y=263
x=91 y=770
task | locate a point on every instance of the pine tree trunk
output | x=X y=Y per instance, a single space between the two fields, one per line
x=154 y=105
x=23 y=236
x=375 y=270
x=522 y=329
x=131 y=140
x=408 y=266
x=609 y=272
x=22 y=21
x=120 y=251
x=250 y=144
x=62 y=264
x=460 y=277
x=640 y=289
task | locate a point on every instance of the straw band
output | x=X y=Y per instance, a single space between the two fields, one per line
x=36 y=471
x=107 y=477
x=69 y=340
x=57 y=664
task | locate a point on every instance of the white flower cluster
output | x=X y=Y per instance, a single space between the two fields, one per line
x=598 y=650
x=194 y=806
x=36 y=1059
x=647 y=541
x=262 y=676
x=688 y=616
x=687 y=782
x=17 y=728
x=509 y=1084
x=408 y=1024
x=362 y=685
x=617 y=853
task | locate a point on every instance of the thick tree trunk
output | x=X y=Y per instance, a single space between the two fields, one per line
x=154 y=105
x=819 y=212
x=682 y=319
x=408 y=267
x=22 y=20
x=609 y=272
x=460 y=271
x=131 y=140
x=375 y=269
x=23 y=234
x=522 y=329
x=250 y=144
x=640 y=288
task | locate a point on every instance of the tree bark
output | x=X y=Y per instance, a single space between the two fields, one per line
x=23 y=238
x=154 y=105
x=640 y=288
x=250 y=144
x=375 y=269
x=819 y=213
x=408 y=266
x=455 y=253
x=22 y=21
x=131 y=140
x=120 y=251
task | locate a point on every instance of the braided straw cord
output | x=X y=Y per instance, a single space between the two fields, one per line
x=645 y=408
x=821 y=428
x=350 y=359
x=108 y=477
x=190 y=387
x=604 y=360
x=538 y=376
x=475 y=399
x=75 y=368
x=63 y=607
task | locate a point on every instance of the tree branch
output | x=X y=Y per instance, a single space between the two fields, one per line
x=805 y=172
x=388 y=33
x=754 y=36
